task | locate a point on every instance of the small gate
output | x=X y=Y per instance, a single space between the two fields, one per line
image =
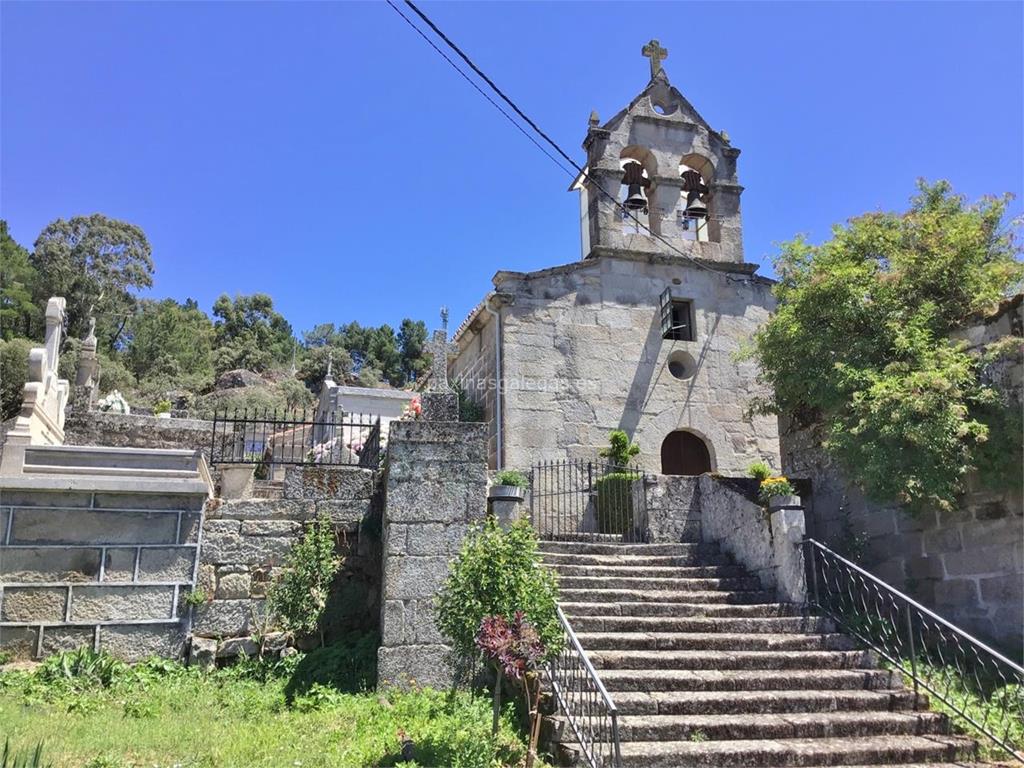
x=590 y=500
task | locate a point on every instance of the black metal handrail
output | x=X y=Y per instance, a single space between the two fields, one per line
x=583 y=699
x=296 y=437
x=938 y=657
x=578 y=499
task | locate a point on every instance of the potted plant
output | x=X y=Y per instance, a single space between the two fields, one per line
x=162 y=409
x=778 y=493
x=509 y=485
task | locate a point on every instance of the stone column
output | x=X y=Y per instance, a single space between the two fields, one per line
x=436 y=487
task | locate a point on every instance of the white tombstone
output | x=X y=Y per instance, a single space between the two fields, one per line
x=41 y=421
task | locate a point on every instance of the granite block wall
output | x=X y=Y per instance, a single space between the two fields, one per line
x=246 y=541
x=436 y=487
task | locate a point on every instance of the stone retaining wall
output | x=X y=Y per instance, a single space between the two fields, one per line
x=136 y=431
x=719 y=510
x=245 y=542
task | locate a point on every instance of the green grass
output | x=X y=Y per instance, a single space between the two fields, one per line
x=998 y=708
x=90 y=714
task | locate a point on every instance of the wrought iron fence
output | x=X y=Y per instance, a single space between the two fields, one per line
x=588 y=709
x=976 y=683
x=576 y=498
x=271 y=439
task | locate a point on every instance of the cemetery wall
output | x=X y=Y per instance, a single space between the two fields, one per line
x=966 y=564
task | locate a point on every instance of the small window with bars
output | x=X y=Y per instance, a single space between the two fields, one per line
x=676 y=317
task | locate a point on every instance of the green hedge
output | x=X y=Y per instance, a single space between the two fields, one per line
x=615 y=502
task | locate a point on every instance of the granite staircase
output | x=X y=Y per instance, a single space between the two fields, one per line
x=707 y=669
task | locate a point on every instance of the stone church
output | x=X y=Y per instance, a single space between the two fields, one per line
x=641 y=333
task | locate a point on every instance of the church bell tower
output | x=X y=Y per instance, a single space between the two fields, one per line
x=659 y=179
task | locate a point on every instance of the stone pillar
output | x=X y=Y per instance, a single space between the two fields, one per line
x=436 y=487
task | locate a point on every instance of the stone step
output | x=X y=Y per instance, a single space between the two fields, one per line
x=643 y=550
x=806 y=725
x=711 y=680
x=697 y=555
x=874 y=750
x=583 y=604
x=583 y=623
x=731 y=660
x=636 y=570
x=713 y=641
x=740 y=597
x=760 y=702
x=657 y=584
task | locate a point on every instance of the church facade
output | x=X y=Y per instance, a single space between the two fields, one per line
x=642 y=333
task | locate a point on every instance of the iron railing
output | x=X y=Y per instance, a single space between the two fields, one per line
x=588 y=709
x=580 y=499
x=938 y=657
x=295 y=437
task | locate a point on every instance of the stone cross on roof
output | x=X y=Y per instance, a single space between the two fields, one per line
x=441 y=349
x=656 y=54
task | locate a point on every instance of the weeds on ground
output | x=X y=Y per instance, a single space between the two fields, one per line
x=91 y=710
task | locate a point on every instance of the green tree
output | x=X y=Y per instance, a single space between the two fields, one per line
x=412 y=335
x=171 y=341
x=860 y=344
x=250 y=334
x=13 y=374
x=95 y=263
x=20 y=315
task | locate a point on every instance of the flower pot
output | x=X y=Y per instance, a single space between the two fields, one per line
x=505 y=503
x=164 y=415
x=784 y=502
x=506 y=493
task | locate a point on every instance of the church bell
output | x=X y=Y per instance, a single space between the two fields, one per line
x=695 y=189
x=633 y=178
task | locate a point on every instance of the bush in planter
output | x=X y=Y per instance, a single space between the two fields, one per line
x=615 y=502
x=512 y=477
x=775 y=486
x=162 y=406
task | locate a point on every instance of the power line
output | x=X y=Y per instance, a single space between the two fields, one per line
x=581 y=171
x=479 y=90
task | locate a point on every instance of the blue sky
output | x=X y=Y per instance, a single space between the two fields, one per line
x=322 y=153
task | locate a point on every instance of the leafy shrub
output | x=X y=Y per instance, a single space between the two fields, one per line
x=760 y=471
x=620 y=450
x=13 y=375
x=512 y=477
x=498 y=573
x=615 y=502
x=162 y=406
x=774 y=486
x=196 y=597
x=469 y=409
x=298 y=594
x=84 y=668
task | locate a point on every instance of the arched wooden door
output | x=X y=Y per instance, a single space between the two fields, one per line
x=683 y=453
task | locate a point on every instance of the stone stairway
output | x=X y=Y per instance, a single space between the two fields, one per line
x=707 y=669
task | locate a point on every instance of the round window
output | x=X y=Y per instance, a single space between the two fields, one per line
x=682 y=365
